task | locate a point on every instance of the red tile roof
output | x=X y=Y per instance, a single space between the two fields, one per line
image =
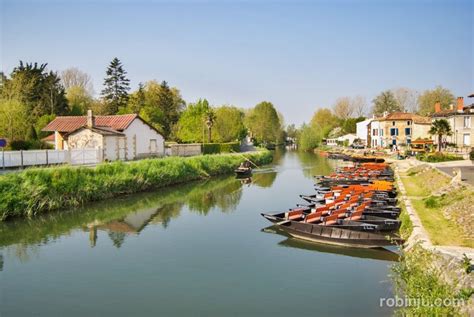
x=407 y=116
x=49 y=138
x=72 y=123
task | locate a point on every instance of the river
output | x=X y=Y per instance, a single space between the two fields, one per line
x=195 y=249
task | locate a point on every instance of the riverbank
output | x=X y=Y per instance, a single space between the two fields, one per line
x=436 y=261
x=40 y=190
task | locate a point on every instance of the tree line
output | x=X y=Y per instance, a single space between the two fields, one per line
x=347 y=111
x=31 y=96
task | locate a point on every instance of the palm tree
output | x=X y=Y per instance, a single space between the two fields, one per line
x=210 y=117
x=440 y=127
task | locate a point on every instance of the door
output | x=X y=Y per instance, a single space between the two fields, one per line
x=153 y=146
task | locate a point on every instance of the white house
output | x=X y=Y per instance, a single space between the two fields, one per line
x=362 y=130
x=350 y=138
x=375 y=134
x=120 y=137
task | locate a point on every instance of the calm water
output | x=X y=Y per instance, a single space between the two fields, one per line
x=198 y=249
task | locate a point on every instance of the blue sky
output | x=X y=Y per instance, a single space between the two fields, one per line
x=300 y=55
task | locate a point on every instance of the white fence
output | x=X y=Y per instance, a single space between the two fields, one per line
x=47 y=157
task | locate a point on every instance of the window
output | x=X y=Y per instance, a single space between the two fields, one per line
x=407 y=131
x=467 y=122
x=381 y=132
x=393 y=122
x=466 y=140
x=408 y=141
x=393 y=131
x=374 y=132
x=408 y=122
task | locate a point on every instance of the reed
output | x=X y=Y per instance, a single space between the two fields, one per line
x=39 y=190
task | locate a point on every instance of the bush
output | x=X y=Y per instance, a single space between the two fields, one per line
x=215 y=148
x=39 y=190
x=437 y=157
x=471 y=155
x=431 y=202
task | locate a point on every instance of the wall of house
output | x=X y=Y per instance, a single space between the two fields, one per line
x=376 y=134
x=459 y=130
x=138 y=138
x=84 y=139
x=420 y=131
x=361 y=128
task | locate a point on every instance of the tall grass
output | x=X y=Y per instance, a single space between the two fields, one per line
x=40 y=190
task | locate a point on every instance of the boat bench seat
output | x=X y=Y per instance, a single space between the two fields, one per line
x=294 y=214
x=313 y=217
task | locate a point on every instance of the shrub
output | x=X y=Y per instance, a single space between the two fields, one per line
x=431 y=202
x=471 y=155
x=215 y=148
x=437 y=157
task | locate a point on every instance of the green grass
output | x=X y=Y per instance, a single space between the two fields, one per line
x=438 y=157
x=415 y=276
x=40 y=190
x=441 y=230
x=421 y=183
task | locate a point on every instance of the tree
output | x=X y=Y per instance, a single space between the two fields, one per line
x=323 y=122
x=209 y=118
x=343 y=108
x=14 y=119
x=428 y=99
x=136 y=101
x=161 y=104
x=116 y=87
x=41 y=91
x=291 y=131
x=308 y=138
x=406 y=98
x=350 y=125
x=359 y=106
x=191 y=125
x=263 y=123
x=385 y=102
x=79 y=100
x=73 y=77
x=440 y=128
x=229 y=124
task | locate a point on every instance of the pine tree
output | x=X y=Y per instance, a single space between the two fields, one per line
x=116 y=87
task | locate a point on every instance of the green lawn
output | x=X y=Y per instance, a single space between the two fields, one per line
x=440 y=230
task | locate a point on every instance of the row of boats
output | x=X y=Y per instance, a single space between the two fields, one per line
x=354 y=206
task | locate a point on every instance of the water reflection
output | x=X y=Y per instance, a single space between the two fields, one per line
x=374 y=253
x=314 y=164
x=124 y=216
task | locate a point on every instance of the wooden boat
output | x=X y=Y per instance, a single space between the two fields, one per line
x=360 y=222
x=381 y=254
x=243 y=172
x=337 y=236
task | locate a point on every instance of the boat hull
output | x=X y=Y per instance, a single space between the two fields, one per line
x=336 y=236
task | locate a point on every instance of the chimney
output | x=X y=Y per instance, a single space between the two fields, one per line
x=451 y=107
x=460 y=104
x=437 y=106
x=385 y=114
x=90 y=119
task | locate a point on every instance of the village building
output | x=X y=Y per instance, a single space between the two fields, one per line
x=461 y=120
x=398 y=129
x=362 y=131
x=119 y=137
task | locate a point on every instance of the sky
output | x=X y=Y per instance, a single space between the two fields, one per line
x=300 y=55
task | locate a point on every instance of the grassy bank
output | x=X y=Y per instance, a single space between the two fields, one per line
x=419 y=276
x=36 y=190
x=443 y=210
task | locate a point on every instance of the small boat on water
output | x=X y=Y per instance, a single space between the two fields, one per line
x=244 y=170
